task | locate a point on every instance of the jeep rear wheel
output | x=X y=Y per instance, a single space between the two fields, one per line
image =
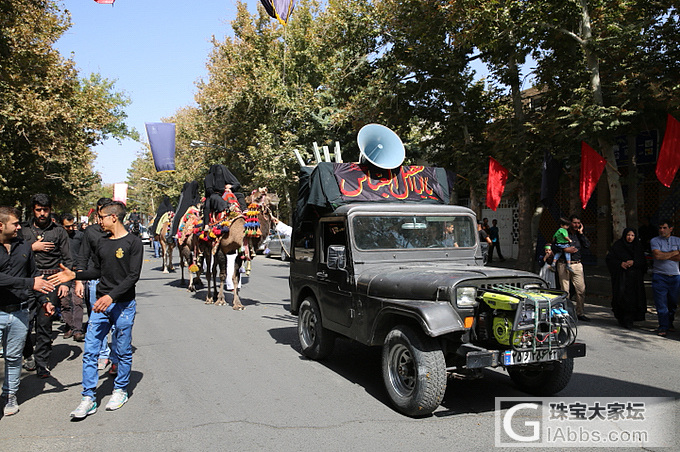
x=414 y=371
x=543 y=381
x=316 y=341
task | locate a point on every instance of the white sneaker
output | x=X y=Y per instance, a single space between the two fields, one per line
x=11 y=405
x=102 y=363
x=118 y=399
x=87 y=406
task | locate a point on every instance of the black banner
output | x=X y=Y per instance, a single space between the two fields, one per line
x=406 y=183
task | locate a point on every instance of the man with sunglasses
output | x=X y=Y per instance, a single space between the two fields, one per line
x=50 y=245
x=118 y=264
x=91 y=236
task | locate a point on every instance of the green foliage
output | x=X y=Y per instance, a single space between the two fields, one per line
x=49 y=117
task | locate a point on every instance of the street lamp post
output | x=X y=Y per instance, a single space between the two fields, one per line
x=154 y=181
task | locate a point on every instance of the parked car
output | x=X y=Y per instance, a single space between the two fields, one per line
x=144 y=235
x=278 y=245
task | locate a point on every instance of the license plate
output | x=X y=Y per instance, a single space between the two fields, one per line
x=512 y=357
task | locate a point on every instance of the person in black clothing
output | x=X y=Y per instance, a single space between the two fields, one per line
x=118 y=265
x=72 y=303
x=495 y=241
x=51 y=248
x=91 y=236
x=484 y=241
x=19 y=278
x=627 y=266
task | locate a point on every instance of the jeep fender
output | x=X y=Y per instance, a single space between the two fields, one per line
x=436 y=318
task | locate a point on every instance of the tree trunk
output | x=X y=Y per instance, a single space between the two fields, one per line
x=526 y=207
x=525 y=255
x=574 y=198
x=615 y=192
x=632 y=183
x=475 y=204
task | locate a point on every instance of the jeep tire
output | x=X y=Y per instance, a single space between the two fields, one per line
x=543 y=381
x=316 y=341
x=414 y=371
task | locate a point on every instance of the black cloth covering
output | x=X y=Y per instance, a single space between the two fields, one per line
x=165 y=206
x=187 y=198
x=629 y=302
x=219 y=176
x=319 y=189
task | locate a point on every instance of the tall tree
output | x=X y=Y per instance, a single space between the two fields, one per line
x=49 y=117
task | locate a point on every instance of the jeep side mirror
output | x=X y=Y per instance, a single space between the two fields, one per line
x=337 y=257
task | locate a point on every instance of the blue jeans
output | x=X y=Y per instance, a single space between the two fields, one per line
x=105 y=350
x=13 y=331
x=156 y=248
x=122 y=316
x=666 y=291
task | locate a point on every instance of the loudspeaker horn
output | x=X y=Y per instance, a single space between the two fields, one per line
x=380 y=146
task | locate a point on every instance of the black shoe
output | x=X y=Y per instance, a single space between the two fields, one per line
x=583 y=318
x=42 y=372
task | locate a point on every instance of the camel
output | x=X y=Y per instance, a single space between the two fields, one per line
x=188 y=257
x=167 y=246
x=187 y=245
x=264 y=217
x=230 y=242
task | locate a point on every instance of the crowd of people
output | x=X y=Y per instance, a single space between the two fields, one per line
x=49 y=267
x=627 y=265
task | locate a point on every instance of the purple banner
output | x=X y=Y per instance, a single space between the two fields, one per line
x=162 y=141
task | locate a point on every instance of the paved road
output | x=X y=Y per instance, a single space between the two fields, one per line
x=207 y=377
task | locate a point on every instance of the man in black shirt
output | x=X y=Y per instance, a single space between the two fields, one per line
x=117 y=264
x=19 y=278
x=72 y=303
x=50 y=246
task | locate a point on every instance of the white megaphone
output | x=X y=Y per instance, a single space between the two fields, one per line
x=380 y=146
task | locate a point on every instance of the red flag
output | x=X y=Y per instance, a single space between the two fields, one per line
x=669 y=155
x=498 y=176
x=592 y=165
x=90 y=212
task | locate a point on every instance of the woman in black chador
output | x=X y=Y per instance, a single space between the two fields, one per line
x=627 y=266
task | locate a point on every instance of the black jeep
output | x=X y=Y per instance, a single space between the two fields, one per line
x=409 y=277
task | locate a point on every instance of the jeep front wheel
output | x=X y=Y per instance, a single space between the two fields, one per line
x=316 y=341
x=414 y=371
x=545 y=380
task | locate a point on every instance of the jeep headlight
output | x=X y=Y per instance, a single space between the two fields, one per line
x=466 y=297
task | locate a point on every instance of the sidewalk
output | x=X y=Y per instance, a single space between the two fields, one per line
x=598 y=296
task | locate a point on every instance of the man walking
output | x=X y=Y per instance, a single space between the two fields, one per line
x=72 y=303
x=18 y=279
x=666 y=276
x=91 y=236
x=576 y=277
x=495 y=242
x=117 y=264
x=50 y=246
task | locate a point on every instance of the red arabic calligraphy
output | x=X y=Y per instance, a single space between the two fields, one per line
x=407 y=182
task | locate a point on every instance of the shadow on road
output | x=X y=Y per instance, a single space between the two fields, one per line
x=361 y=365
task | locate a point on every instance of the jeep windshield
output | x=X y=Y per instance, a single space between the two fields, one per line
x=395 y=232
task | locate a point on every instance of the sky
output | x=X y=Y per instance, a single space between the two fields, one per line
x=155 y=50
